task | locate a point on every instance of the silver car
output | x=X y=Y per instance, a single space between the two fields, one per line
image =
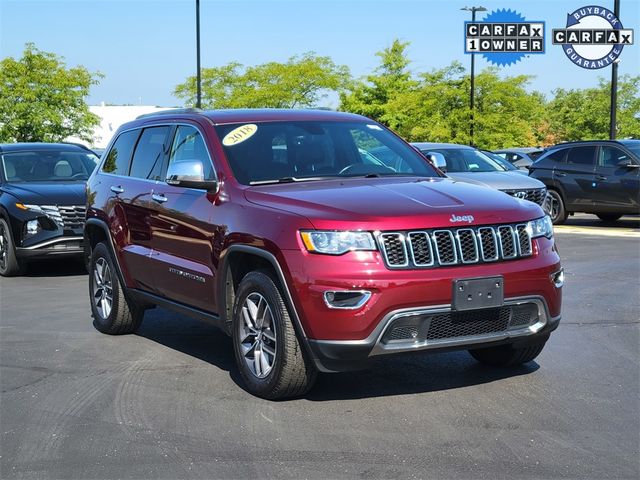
x=469 y=165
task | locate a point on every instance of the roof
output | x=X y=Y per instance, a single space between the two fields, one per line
x=440 y=145
x=626 y=141
x=258 y=115
x=41 y=146
x=520 y=150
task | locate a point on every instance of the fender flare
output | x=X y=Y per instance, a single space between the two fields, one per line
x=222 y=280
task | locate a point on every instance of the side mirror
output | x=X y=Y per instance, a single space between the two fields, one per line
x=190 y=174
x=627 y=163
x=438 y=160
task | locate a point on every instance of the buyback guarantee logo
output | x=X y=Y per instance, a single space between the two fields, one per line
x=593 y=37
x=504 y=37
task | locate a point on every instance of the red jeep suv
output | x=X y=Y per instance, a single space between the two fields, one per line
x=284 y=230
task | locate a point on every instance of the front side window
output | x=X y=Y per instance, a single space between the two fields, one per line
x=188 y=145
x=118 y=158
x=48 y=166
x=611 y=156
x=285 y=151
x=582 y=156
x=147 y=159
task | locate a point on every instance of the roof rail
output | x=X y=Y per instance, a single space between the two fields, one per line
x=171 y=111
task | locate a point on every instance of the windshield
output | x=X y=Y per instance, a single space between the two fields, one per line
x=48 y=166
x=295 y=151
x=634 y=146
x=468 y=160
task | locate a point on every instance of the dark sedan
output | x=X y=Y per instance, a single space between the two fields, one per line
x=42 y=201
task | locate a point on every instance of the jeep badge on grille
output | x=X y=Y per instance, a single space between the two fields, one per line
x=461 y=218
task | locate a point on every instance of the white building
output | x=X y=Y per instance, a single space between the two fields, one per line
x=111 y=117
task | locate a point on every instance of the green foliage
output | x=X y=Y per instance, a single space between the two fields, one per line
x=434 y=106
x=300 y=82
x=584 y=114
x=41 y=100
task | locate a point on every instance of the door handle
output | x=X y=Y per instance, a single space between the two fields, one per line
x=560 y=174
x=600 y=177
x=158 y=197
x=117 y=189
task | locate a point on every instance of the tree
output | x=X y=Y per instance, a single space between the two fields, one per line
x=41 y=100
x=302 y=81
x=372 y=95
x=579 y=114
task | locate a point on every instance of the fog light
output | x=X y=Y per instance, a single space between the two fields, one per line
x=557 y=278
x=347 y=299
x=33 y=227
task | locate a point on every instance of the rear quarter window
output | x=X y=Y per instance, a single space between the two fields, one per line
x=117 y=160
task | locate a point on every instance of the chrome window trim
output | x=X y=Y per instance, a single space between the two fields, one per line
x=103 y=158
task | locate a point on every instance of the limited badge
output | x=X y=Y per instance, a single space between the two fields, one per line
x=239 y=135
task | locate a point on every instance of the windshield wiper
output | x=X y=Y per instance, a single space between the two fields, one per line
x=288 y=180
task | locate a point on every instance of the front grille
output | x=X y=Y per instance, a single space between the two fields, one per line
x=450 y=247
x=536 y=195
x=444 y=326
x=66 y=216
x=72 y=215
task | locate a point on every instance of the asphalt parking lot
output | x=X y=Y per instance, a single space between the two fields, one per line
x=166 y=403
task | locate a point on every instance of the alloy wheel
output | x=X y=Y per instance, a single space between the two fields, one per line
x=257 y=335
x=102 y=288
x=553 y=206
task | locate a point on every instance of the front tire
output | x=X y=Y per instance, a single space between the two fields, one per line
x=112 y=312
x=508 y=355
x=268 y=353
x=10 y=265
x=557 y=210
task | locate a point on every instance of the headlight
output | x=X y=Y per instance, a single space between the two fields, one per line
x=542 y=227
x=337 y=243
x=33 y=208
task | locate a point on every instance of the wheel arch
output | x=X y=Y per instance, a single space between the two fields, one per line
x=238 y=260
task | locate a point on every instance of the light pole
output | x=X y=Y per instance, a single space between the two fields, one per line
x=198 y=75
x=473 y=11
x=614 y=83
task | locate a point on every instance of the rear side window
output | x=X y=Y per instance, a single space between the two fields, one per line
x=118 y=158
x=581 y=156
x=557 y=155
x=147 y=159
x=188 y=144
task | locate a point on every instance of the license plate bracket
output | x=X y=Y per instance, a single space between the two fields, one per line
x=477 y=293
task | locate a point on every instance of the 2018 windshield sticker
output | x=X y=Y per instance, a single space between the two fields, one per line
x=239 y=135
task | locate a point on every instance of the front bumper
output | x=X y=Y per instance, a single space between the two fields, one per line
x=344 y=355
x=59 y=246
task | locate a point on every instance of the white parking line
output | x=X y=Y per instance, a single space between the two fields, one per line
x=597 y=231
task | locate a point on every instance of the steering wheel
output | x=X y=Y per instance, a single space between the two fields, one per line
x=79 y=176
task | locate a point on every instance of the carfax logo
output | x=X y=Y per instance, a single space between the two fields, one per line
x=593 y=38
x=504 y=37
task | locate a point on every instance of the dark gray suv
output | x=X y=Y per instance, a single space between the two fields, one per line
x=600 y=177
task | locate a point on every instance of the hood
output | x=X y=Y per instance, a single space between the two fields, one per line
x=393 y=203
x=511 y=180
x=49 y=193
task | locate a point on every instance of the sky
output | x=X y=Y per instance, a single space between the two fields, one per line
x=144 y=48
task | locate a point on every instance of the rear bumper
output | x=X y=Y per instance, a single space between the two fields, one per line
x=60 y=246
x=344 y=355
